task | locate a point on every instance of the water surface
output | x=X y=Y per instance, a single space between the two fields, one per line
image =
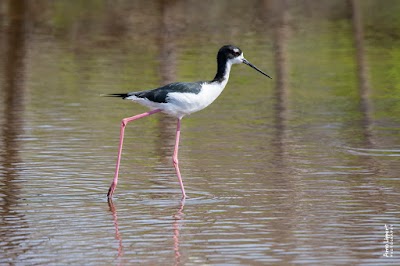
x=303 y=169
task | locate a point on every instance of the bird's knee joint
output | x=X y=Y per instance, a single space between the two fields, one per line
x=175 y=161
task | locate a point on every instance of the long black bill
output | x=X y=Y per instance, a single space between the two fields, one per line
x=256 y=68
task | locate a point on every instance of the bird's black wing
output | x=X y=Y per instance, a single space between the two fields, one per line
x=160 y=95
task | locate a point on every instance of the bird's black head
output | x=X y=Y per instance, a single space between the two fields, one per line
x=227 y=52
x=233 y=55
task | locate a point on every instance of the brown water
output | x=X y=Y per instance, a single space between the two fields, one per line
x=303 y=169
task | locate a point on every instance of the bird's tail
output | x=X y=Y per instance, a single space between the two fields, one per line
x=120 y=95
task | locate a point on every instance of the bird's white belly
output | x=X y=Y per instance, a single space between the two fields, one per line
x=181 y=104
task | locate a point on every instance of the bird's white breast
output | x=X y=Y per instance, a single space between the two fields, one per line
x=181 y=104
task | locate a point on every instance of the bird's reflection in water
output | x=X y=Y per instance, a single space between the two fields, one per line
x=177 y=223
x=178 y=220
x=117 y=234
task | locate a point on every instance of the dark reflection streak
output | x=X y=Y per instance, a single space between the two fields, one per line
x=362 y=71
x=169 y=21
x=279 y=17
x=365 y=106
x=280 y=38
x=169 y=27
x=365 y=109
x=167 y=40
x=117 y=234
x=12 y=128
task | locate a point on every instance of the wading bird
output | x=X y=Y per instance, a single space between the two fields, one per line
x=180 y=99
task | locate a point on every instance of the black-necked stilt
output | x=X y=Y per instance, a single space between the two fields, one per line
x=180 y=99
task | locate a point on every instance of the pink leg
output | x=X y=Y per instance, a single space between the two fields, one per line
x=175 y=157
x=124 y=122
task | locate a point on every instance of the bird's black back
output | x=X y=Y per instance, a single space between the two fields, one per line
x=159 y=95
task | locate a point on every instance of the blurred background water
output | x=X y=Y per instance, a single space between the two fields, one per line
x=301 y=169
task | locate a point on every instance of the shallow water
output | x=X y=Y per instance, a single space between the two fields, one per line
x=300 y=172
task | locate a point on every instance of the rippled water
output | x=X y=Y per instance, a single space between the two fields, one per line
x=305 y=173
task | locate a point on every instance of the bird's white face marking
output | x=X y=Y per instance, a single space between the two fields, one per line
x=237 y=59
